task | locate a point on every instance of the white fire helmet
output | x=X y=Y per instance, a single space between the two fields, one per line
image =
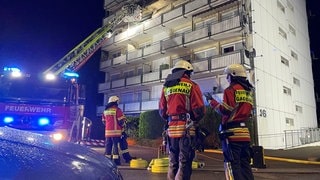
x=113 y=99
x=184 y=65
x=235 y=70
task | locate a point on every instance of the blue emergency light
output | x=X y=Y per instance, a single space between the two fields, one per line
x=43 y=121
x=8 y=119
x=70 y=75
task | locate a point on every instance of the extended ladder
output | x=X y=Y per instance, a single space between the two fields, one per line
x=81 y=53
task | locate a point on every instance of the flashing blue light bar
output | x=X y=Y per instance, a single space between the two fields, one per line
x=14 y=72
x=71 y=75
x=8 y=119
x=43 y=121
x=11 y=69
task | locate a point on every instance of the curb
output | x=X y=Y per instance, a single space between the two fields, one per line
x=274 y=158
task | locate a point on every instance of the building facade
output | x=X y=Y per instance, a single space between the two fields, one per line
x=269 y=37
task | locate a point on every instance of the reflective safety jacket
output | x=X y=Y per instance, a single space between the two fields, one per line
x=179 y=100
x=235 y=110
x=114 y=119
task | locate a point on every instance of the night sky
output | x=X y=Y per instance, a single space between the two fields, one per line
x=34 y=34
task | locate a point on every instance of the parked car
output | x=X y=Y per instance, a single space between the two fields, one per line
x=27 y=155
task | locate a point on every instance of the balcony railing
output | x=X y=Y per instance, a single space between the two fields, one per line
x=211 y=64
x=168 y=20
x=229 y=28
x=133 y=107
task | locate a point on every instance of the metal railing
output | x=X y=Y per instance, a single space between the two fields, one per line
x=300 y=137
x=290 y=138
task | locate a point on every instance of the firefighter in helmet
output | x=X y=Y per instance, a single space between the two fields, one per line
x=114 y=119
x=182 y=106
x=234 y=133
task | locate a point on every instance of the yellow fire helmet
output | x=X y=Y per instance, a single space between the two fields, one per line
x=235 y=70
x=113 y=99
x=184 y=65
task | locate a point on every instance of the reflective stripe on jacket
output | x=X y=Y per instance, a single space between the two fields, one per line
x=112 y=117
x=236 y=107
x=185 y=97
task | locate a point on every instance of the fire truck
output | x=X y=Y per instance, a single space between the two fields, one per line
x=36 y=105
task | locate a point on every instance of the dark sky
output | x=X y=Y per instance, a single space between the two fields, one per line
x=34 y=34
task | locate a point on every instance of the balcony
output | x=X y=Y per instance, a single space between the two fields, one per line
x=134 y=107
x=102 y=87
x=167 y=21
x=204 y=68
x=205 y=35
x=226 y=29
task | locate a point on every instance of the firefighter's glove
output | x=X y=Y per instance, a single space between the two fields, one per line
x=208 y=97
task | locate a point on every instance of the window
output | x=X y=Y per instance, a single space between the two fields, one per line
x=206 y=22
x=296 y=81
x=289 y=122
x=286 y=90
x=280 y=6
x=294 y=55
x=139 y=71
x=292 y=30
x=284 y=61
x=126 y=98
x=115 y=76
x=227 y=49
x=290 y=6
x=128 y=73
x=116 y=54
x=229 y=14
x=299 y=109
x=204 y=54
x=282 y=33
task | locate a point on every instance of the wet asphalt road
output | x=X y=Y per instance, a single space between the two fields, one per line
x=213 y=168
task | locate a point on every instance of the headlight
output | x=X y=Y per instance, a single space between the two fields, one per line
x=57 y=136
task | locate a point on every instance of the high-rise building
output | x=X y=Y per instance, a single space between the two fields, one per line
x=269 y=37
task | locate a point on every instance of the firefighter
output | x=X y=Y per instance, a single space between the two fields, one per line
x=236 y=110
x=182 y=106
x=114 y=119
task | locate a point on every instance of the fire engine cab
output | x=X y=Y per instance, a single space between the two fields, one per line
x=31 y=103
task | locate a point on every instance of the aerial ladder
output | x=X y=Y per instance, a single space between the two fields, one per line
x=79 y=55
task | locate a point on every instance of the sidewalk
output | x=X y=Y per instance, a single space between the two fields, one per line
x=307 y=154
